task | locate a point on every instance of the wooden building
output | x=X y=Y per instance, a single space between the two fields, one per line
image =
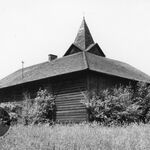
x=83 y=68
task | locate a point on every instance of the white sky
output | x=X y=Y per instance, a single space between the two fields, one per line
x=32 y=29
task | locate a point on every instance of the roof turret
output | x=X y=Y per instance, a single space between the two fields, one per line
x=84 y=38
x=84 y=42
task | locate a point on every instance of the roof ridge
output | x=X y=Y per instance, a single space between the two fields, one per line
x=85 y=59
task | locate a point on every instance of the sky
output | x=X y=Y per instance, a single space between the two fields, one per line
x=32 y=29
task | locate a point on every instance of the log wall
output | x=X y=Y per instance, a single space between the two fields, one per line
x=69 y=94
x=67 y=89
x=100 y=81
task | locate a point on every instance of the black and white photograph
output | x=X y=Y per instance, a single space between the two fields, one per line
x=75 y=75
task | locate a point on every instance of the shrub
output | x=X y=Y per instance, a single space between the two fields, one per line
x=14 y=110
x=120 y=105
x=39 y=110
x=32 y=111
x=142 y=100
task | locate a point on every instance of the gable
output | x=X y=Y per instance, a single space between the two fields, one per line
x=95 y=49
x=72 y=50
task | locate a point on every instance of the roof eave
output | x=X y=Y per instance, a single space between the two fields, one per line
x=26 y=82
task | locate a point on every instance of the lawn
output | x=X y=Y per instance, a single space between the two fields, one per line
x=77 y=137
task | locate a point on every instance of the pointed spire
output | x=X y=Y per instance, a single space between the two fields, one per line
x=84 y=38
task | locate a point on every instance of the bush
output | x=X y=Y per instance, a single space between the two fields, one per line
x=14 y=110
x=120 y=105
x=32 y=111
x=39 y=110
x=141 y=99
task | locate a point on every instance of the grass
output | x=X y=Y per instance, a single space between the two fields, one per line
x=77 y=137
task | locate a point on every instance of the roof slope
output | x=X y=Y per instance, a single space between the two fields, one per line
x=116 y=68
x=64 y=65
x=73 y=63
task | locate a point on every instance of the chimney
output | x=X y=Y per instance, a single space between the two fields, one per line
x=51 y=57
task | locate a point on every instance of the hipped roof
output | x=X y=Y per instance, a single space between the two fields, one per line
x=74 y=63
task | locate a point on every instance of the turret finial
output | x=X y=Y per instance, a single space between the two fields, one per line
x=83 y=15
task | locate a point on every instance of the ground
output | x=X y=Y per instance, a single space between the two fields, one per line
x=75 y=137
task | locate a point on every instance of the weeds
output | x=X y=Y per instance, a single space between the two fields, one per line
x=75 y=137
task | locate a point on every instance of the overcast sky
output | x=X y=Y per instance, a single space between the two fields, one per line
x=32 y=29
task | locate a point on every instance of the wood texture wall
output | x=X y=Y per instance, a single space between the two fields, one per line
x=100 y=81
x=68 y=90
x=69 y=94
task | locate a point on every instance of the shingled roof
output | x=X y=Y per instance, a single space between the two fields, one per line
x=74 y=63
x=83 y=54
x=116 y=68
x=64 y=65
